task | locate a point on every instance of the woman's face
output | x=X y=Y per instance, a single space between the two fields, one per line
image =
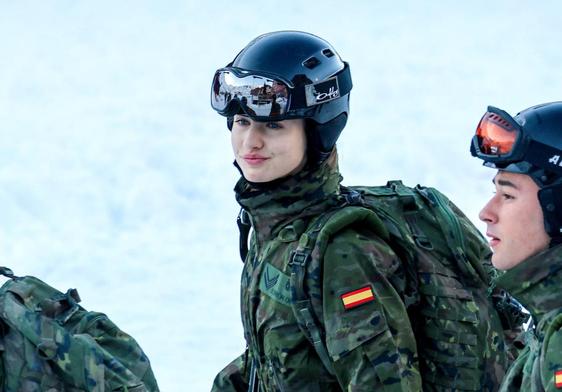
x=266 y=151
x=514 y=220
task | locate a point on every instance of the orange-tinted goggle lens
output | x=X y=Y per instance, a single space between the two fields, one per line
x=496 y=135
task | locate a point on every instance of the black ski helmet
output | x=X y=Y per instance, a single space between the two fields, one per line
x=319 y=84
x=536 y=150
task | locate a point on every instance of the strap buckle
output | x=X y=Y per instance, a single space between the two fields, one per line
x=299 y=258
x=354 y=198
x=243 y=218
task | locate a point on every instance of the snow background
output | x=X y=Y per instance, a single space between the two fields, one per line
x=116 y=175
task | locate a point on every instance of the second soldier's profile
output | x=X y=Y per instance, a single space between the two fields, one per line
x=524 y=224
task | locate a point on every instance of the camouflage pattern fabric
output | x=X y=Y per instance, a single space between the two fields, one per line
x=459 y=332
x=536 y=284
x=428 y=321
x=50 y=343
x=462 y=336
x=371 y=344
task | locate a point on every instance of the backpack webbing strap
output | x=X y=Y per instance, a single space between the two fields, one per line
x=452 y=231
x=315 y=334
x=405 y=194
x=406 y=238
x=410 y=210
x=316 y=238
x=302 y=304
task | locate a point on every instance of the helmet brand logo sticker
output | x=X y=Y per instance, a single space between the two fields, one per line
x=321 y=92
x=554 y=160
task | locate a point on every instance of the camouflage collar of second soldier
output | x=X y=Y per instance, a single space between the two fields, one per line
x=307 y=193
x=536 y=282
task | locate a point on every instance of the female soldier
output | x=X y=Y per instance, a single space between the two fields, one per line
x=524 y=223
x=286 y=99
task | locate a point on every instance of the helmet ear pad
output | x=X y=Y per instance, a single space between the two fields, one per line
x=230 y=122
x=321 y=138
x=551 y=203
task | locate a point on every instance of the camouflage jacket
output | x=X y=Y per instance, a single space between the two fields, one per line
x=366 y=326
x=536 y=284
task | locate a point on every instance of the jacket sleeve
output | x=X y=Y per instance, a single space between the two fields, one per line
x=551 y=357
x=368 y=333
x=234 y=377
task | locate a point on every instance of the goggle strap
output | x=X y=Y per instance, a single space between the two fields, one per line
x=544 y=156
x=344 y=82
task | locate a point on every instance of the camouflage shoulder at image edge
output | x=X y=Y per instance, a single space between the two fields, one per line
x=536 y=282
x=49 y=342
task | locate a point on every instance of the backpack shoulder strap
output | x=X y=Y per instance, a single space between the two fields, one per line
x=310 y=250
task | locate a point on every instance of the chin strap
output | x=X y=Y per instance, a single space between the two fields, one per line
x=244 y=226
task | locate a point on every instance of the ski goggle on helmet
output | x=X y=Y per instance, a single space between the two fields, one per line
x=529 y=143
x=265 y=96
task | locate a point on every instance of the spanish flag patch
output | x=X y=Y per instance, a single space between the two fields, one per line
x=558 y=379
x=357 y=297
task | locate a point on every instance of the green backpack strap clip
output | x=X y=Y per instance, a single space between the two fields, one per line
x=405 y=194
x=311 y=246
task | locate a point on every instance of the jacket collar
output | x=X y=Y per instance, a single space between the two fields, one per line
x=305 y=194
x=536 y=282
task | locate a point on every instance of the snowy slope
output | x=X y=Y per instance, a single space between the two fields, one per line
x=116 y=176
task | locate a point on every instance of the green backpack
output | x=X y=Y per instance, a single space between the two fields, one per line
x=448 y=297
x=50 y=343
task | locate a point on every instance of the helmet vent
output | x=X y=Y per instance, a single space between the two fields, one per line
x=311 y=62
x=328 y=53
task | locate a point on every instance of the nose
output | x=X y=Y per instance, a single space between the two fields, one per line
x=253 y=138
x=488 y=214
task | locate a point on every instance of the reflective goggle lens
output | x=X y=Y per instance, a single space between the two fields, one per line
x=496 y=135
x=259 y=96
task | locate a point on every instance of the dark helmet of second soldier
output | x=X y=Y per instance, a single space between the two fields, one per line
x=286 y=75
x=529 y=143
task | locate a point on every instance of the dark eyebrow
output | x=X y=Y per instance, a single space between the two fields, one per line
x=504 y=183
